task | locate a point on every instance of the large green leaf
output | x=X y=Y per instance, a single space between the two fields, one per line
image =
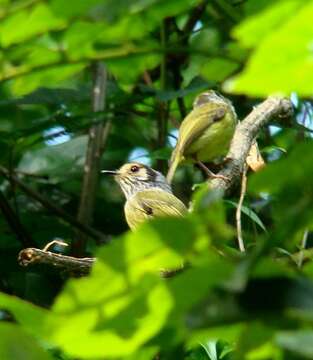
x=27 y=23
x=16 y=344
x=130 y=303
x=281 y=61
x=289 y=182
x=57 y=161
x=31 y=317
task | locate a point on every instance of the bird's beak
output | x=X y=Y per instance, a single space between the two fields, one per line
x=109 y=172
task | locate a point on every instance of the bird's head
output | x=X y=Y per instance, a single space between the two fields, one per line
x=209 y=96
x=134 y=177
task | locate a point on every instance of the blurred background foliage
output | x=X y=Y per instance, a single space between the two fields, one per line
x=159 y=54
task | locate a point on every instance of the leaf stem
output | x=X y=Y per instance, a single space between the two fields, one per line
x=239 y=207
x=303 y=246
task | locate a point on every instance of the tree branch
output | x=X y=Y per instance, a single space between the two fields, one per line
x=245 y=133
x=98 y=134
x=70 y=264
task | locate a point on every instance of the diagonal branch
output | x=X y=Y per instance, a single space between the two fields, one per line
x=244 y=136
x=14 y=223
x=52 y=207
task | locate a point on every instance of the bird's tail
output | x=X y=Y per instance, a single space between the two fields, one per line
x=175 y=160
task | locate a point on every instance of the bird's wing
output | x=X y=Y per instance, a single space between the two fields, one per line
x=197 y=122
x=193 y=126
x=156 y=202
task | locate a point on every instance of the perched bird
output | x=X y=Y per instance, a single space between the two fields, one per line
x=205 y=133
x=147 y=193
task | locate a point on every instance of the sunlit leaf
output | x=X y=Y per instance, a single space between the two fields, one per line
x=26 y=348
x=291 y=40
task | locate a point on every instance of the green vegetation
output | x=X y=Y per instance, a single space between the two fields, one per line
x=158 y=55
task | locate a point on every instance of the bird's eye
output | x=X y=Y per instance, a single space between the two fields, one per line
x=134 y=168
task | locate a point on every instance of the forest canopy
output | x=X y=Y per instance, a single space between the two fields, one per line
x=91 y=85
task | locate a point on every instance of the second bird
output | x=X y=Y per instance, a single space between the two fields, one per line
x=147 y=193
x=205 y=133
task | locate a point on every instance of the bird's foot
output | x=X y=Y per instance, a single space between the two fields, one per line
x=210 y=174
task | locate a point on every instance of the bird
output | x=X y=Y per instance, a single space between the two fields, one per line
x=205 y=133
x=147 y=193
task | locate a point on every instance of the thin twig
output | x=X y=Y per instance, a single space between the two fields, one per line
x=53 y=242
x=98 y=134
x=303 y=246
x=239 y=208
x=97 y=235
x=14 y=222
x=147 y=78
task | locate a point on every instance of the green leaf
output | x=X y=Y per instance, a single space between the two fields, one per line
x=211 y=350
x=25 y=24
x=289 y=182
x=57 y=161
x=79 y=39
x=291 y=40
x=254 y=336
x=130 y=301
x=48 y=76
x=32 y=318
x=68 y=10
x=299 y=342
x=218 y=69
x=293 y=170
x=249 y=212
x=196 y=85
x=18 y=345
x=252 y=31
x=47 y=96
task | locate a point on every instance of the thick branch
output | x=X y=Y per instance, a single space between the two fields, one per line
x=97 y=136
x=72 y=265
x=244 y=136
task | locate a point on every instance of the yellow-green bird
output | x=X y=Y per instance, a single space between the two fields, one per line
x=147 y=193
x=205 y=133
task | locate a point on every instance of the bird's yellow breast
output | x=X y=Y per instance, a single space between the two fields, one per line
x=150 y=203
x=214 y=142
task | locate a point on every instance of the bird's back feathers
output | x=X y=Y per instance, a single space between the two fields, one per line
x=196 y=127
